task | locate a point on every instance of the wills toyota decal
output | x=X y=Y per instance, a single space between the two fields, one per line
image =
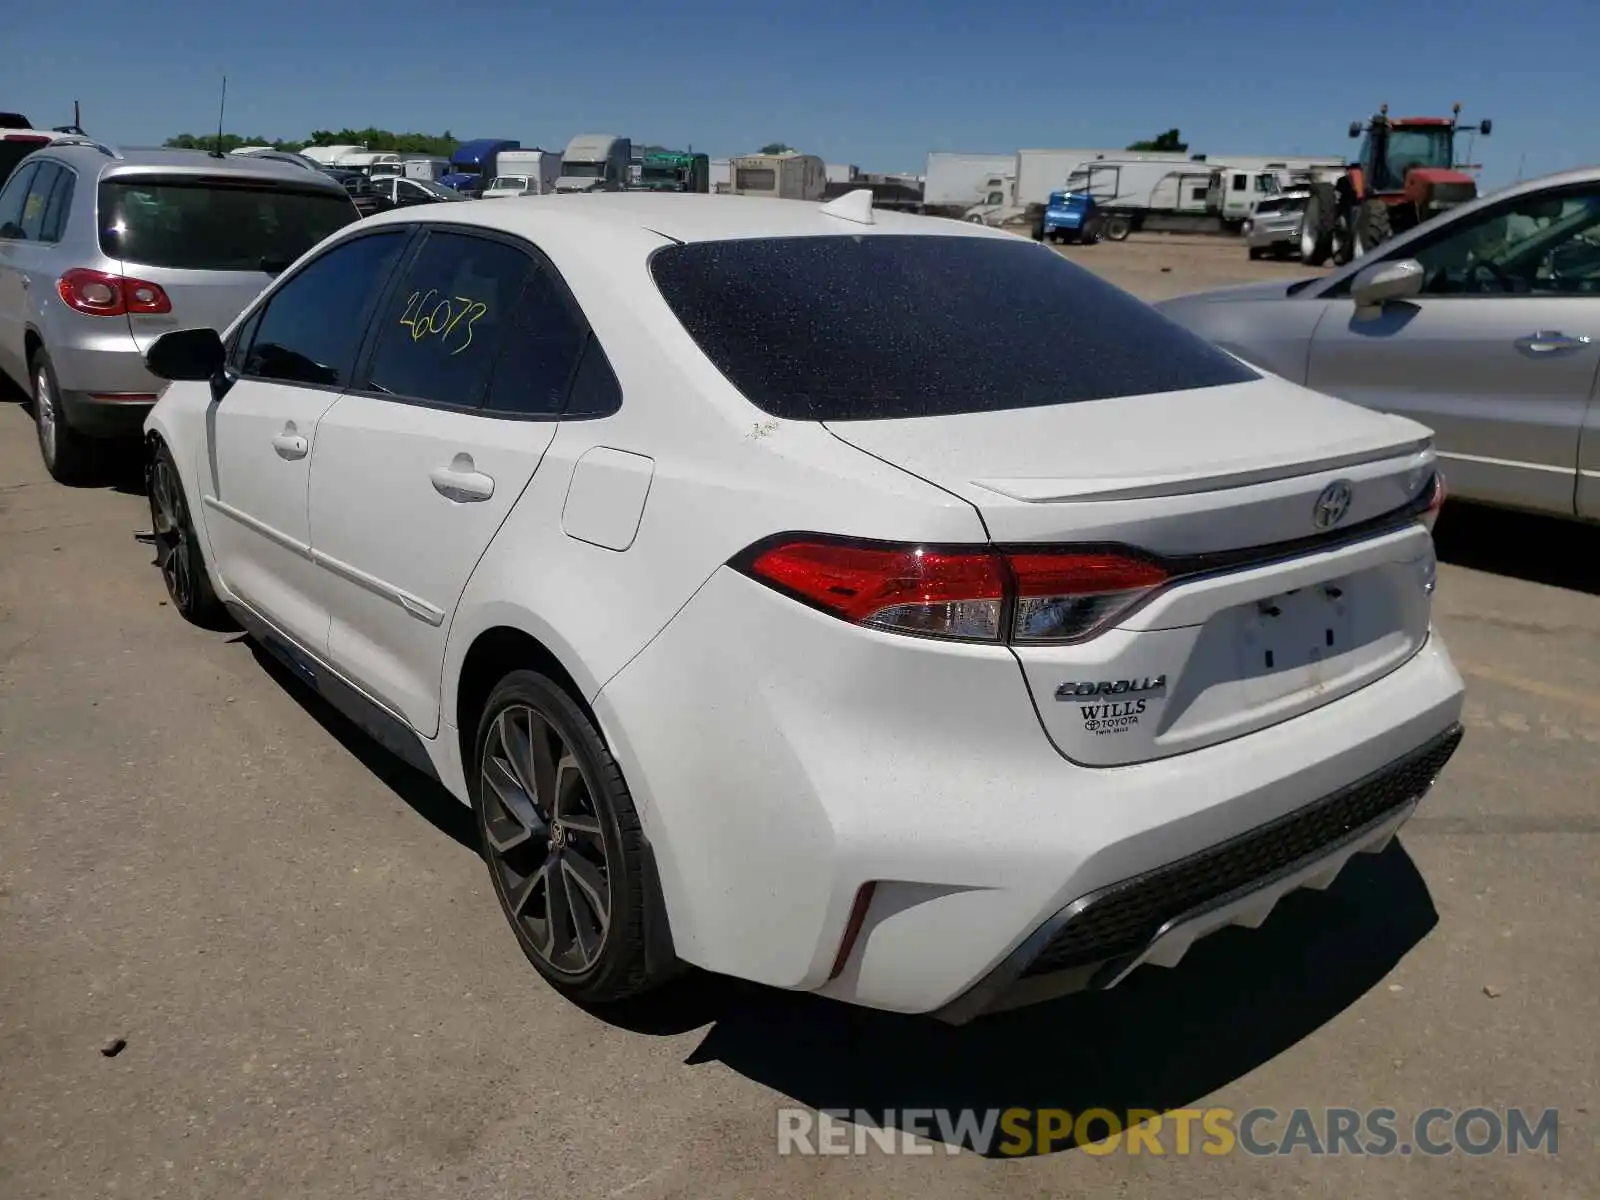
x=1112 y=705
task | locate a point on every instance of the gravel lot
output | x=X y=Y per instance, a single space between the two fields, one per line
x=318 y=996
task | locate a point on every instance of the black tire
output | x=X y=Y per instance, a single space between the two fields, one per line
x=1118 y=228
x=1319 y=223
x=1257 y=253
x=591 y=832
x=1371 y=227
x=178 y=554
x=70 y=457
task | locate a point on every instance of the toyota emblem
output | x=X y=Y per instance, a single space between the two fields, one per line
x=1331 y=505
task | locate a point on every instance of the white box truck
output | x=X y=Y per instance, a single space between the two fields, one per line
x=955 y=183
x=595 y=162
x=780 y=176
x=431 y=169
x=540 y=168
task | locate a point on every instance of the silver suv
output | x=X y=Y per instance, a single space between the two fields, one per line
x=101 y=252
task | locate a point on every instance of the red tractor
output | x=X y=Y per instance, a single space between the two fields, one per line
x=1405 y=174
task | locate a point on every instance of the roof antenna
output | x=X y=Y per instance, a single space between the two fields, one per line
x=854 y=206
x=221 y=108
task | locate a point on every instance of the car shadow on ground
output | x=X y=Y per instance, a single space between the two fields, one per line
x=425 y=795
x=1162 y=1040
x=121 y=466
x=1538 y=549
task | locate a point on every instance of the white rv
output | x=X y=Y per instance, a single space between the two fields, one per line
x=541 y=168
x=780 y=176
x=595 y=162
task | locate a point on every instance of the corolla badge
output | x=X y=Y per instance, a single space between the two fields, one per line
x=1332 y=504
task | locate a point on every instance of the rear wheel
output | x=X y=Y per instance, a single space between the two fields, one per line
x=1257 y=253
x=1319 y=225
x=68 y=455
x=563 y=842
x=1372 y=227
x=1118 y=228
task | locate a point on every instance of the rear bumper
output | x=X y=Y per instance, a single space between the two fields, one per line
x=1095 y=942
x=96 y=417
x=98 y=368
x=782 y=760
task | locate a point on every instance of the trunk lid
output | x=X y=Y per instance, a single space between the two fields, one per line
x=200 y=299
x=1267 y=615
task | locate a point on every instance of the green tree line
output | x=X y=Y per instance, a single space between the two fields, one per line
x=377 y=140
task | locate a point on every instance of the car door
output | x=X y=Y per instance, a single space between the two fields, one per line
x=290 y=360
x=13 y=271
x=415 y=472
x=1498 y=354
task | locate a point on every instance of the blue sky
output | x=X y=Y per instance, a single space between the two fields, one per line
x=875 y=82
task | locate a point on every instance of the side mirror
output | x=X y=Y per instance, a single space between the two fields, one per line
x=186 y=354
x=1485 y=127
x=1355 y=129
x=1382 y=282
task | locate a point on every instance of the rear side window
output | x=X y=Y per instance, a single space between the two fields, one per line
x=541 y=351
x=441 y=330
x=204 y=225
x=869 y=327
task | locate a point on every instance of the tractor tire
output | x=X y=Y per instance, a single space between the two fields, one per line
x=1118 y=228
x=1370 y=227
x=1319 y=224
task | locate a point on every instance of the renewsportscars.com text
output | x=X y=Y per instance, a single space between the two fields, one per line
x=1259 y=1132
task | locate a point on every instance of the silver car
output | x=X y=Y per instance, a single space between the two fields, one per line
x=1273 y=228
x=1482 y=323
x=101 y=252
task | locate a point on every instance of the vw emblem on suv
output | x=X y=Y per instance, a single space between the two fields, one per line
x=1331 y=505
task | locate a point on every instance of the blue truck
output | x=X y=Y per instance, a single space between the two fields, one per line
x=475 y=163
x=1070 y=217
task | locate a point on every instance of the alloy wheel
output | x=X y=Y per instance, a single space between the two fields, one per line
x=44 y=413
x=545 y=840
x=171 y=520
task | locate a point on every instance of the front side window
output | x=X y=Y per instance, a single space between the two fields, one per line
x=842 y=328
x=200 y=225
x=1546 y=245
x=312 y=327
x=441 y=330
x=12 y=199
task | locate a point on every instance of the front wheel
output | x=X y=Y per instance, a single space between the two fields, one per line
x=563 y=842
x=178 y=553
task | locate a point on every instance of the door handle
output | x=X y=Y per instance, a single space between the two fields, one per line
x=1549 y=341
x=461 y=481
x=290 y=445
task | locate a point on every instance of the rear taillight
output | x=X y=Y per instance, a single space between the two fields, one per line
x=976 y=594
x=1436 y=495
x=103 y=295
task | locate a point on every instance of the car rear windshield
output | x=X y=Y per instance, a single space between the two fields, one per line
x=205 y=226
x=869 y=327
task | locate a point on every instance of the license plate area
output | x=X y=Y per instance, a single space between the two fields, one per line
x=1287 y=642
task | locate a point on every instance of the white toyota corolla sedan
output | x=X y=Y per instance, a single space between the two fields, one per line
x=859 y=603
